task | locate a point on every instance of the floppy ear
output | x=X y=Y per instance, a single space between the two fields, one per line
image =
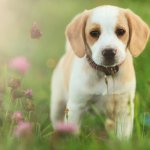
x=138 y=33
x=75 y=33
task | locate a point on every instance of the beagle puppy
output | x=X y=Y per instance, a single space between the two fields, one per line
x=97 y=68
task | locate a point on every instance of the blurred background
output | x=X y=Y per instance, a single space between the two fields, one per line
x=34 y=30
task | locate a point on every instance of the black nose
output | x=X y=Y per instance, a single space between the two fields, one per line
x=109 y=53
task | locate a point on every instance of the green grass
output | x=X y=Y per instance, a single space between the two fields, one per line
x=52 y=16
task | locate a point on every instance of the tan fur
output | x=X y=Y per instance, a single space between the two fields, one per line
x=127 y=69
x=66 y=66
x=139 y=33
x=122 y=23
x=109 y=125
x=91 y=27
x=76 y=35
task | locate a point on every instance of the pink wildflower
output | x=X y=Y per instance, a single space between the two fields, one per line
x=23 y=129
x=17 y=116
x=28 y=93
x=20 y=64
x=66 y=127
x=35 y=31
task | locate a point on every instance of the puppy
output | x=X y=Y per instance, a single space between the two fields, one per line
x=97 y=68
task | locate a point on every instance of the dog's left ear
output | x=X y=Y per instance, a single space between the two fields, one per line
x=75 y=33
x=138 y=33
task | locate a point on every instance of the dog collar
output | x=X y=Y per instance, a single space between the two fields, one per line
x=107 y=70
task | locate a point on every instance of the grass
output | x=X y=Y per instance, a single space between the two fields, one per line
x=52 y=17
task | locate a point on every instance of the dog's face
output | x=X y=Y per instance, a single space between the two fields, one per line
x=106 y=33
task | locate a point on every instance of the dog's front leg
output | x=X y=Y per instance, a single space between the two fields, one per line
x=74 y=111
x=121 y=116
x=124 y=122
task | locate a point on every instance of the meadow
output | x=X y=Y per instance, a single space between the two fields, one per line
x=31 y=42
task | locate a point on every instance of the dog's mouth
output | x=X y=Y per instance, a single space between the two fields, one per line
x=108 y=70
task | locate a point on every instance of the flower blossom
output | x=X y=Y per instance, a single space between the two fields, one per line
x=17 y=116
x=66 y=128
x=23 y=129
x=28 y=93
x=19 y=64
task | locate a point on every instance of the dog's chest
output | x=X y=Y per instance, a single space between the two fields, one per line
x=92 y=83
x=103 y=86
x=107 y=85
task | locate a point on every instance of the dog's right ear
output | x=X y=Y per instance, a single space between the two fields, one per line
x=139 y=33
x=75 y=33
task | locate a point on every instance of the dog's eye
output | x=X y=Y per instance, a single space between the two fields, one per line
x=95 y=34
x=120 y=32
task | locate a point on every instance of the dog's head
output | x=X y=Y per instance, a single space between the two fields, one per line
x=106 y=33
